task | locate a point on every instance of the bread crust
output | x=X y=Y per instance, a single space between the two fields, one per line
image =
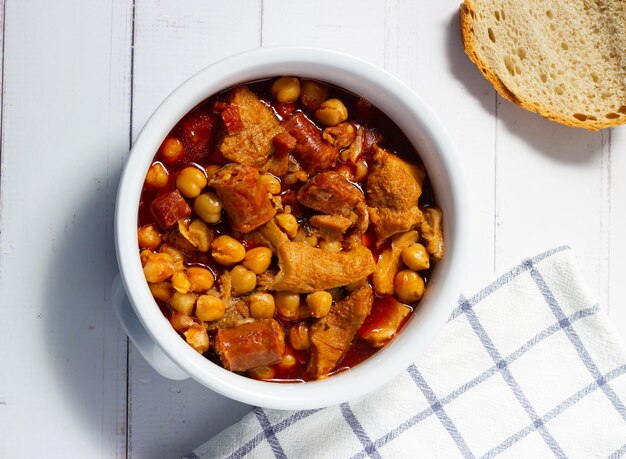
x=466 y=21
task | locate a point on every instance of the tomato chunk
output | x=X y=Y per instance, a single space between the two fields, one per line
x=197 y=132
x=283 y=143
x=384 y=322
x=219 y=106
x=232 y=119
x=250 y=345
x=169 y=208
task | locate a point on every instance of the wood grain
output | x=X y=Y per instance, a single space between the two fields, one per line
x=615 y=285
x=551 y=182
x=355 y=27
x=65 y=124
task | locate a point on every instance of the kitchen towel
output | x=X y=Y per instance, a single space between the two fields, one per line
x=527 y=367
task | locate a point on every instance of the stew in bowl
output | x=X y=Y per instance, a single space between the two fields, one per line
x=287 y=229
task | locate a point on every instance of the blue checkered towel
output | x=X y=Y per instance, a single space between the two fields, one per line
x=527 y=367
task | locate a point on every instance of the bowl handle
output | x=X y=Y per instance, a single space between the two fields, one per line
x=146 y=346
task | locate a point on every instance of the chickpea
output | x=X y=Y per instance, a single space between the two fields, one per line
x=173 y=252
x=176 y=255
x=288 y=224
x=288 y=361
x=409 y=286
x=331 y=246
x=181 y=282
x=157 y=176
x=331 y=112
x=161 y=290
x=302 y=236
x=198 y=338
x=262 y=305
x=286 y=89
x=144 y=255
x=149 y=237
x=415 y=257
x=209 y=308
x=190 y=182
x=258 y=259
x=313 y=94
x=263 y=372
x=183 y=302
x=159 y=267
x=172 y=149
x=299 y=336
x=272 y=184
x=311 y=240
x=181 y=322
x=201 y=235
x=243 y=280
x=227 y=250
x=294 y=177
x=288 y=305
x=208 y=207
x=201 y=279
x=290 y=179
x=319 y=303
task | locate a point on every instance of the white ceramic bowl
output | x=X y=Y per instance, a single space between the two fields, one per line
x=164 y=348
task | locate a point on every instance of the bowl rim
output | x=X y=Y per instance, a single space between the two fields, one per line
x=380 y=88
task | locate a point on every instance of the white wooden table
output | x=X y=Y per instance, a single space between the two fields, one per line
x=80 y=79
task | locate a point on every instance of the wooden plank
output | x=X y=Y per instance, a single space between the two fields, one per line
x=423 y=48
x=169 y=418
x=616 y=286
x=551 y=190
x=65 y=132
x=603 y=237
x=355 y=27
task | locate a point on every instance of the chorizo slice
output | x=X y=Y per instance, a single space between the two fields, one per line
x=311 y=151
x=250 y=345
x=197 y=132
x=168 y=208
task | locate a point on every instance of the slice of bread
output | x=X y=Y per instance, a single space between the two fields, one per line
x=564 y=59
